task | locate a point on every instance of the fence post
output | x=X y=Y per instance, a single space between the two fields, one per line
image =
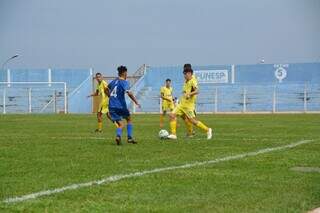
x=144 y=69
x=29 y=100
x=65 y=98
x=244 y=99
x=274 y=100
x=4 y=100
x=232 y=73
x=49 y=77
x=55 y=101
x=305 y=98
x=216 y=100
x=92 y=101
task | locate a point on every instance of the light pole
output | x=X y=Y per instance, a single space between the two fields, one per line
x=4 y=90
x=7 y=61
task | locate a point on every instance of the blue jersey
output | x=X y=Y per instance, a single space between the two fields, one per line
x=117 y=89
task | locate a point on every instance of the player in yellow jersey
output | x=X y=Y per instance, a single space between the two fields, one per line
x=167 y=104
x=189 y=125
x=103 y=100
x=186 y=107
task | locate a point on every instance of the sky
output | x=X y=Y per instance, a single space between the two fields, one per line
x=102 y=34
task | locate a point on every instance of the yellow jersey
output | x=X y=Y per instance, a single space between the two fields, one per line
x=167 y=93
x=188 y=87
x=101 y=91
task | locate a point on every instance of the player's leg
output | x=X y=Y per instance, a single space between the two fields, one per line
x=108 y=116
x=99 y=116
x=171 y=107
x=130 y=130
x=189 y=126
x=126 y=114
x=105 y=110
x=191 y=117
x=117 y=120
x=120 y=126
x=173 y=126
x=177 y=111
x=162 y=115
x=99 y=119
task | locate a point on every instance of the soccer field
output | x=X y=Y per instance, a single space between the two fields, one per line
x=236 y=172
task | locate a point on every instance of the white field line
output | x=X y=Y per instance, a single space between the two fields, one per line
x=115 y=178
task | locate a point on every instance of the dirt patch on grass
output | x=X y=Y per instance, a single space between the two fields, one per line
x=317 y=210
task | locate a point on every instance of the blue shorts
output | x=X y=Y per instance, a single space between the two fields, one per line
x=118 y=114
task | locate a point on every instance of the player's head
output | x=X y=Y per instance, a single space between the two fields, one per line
x=187 y=66
x=187 y=72
x=168 y=82
x=99 y=77
x=122 y=72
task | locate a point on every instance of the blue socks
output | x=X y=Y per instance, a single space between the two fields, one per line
x=119 y=132
x=129 y=130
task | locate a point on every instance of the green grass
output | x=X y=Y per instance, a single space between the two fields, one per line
x=40 y=152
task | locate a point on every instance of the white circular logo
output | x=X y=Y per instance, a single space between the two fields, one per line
x=280 y=74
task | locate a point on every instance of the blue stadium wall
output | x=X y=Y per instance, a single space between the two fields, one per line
x=244 y=74
x=78 y=83
x=260 y=80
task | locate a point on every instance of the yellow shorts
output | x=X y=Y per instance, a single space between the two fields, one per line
x=184 y=111
x=103 y=107
x=167 y=106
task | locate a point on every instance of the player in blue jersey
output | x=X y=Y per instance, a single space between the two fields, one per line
x=117 y=104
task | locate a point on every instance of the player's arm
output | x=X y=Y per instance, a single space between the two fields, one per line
x=164 y=98
x=195 y=91
x=133 y=98
x=107 y=91
x=93 y=94
x=126 y=87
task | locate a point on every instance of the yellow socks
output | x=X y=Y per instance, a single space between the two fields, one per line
x=100 y=125
x=202 y=126
x=173 y=127
x=189 y=126
x=161 y=120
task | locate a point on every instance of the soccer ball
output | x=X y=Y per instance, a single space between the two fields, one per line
x=163 y=134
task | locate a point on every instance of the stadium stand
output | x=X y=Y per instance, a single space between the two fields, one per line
x=223 y=88
x=240 y=88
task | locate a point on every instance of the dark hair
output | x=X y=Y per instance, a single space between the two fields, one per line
x=186 y=66
x=168 y=79
x=122 y=69
x=188 y=70
x=98 y=73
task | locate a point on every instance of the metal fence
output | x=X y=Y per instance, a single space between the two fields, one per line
x=33 y=97
x=45 y=90
x=270 y=88
x=245 y=99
